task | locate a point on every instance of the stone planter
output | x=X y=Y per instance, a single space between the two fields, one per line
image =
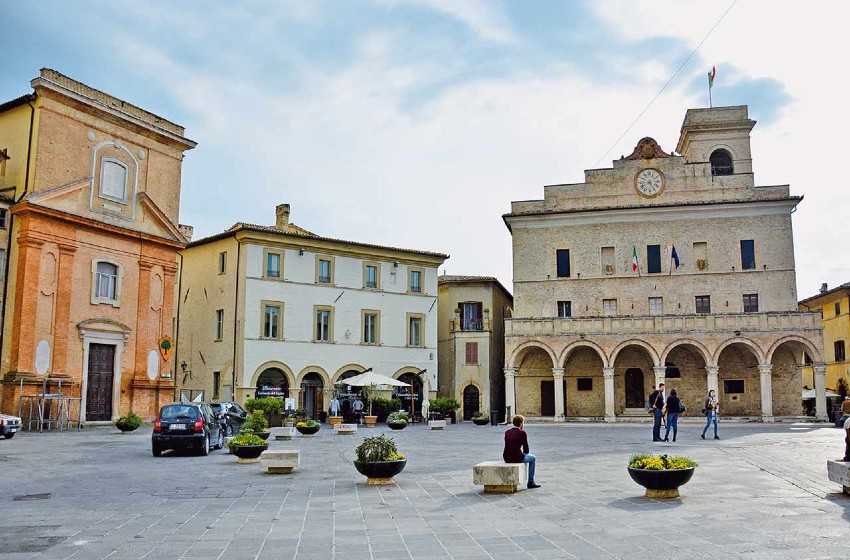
x=397 y=426
x=263 y=435
x=661 y=484
x=370 y=421
x=307 y=430
x=380 y=472
x=248 y=453
x=480 y=421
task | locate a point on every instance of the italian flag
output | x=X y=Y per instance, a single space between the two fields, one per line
x=634 y=259
x=711 y=77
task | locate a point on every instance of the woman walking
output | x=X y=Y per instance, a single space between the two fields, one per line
x=674 y=408
x=711 y=409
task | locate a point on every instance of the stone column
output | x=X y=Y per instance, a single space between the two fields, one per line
x=510 y=390
x=660 y=373
x=712 y=374
x=558 y=374
x=608 y=374
x=22 y=343
x=63 y=309
x=765 y=371
x=820 y=391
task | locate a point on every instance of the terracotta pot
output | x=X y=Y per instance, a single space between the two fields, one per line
x=334 y=420
x=370 y=421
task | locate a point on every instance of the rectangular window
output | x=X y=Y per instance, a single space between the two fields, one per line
x=273 y=265
x=222 y=262
x=2 y=262
x=656 y=306
x=703 y=304
x=609 y=307
x=733 y=386
x=4 y=214
x=323 y=325
x=562 y=258
x=113 y=180
x=324 y=271
x=271 y=321
x=751 y=303
x=584 y=384
x=371 y=279
x=838 y=346
x=471 y=315
x=565 y=309
x=416 y=281
x=653 y=258
x=370 y=327
x=106 y=280
x=219 y=324
x=216 y=384
x=837 y=308
x=471 y=354
x=414 y=330
x=748 y=254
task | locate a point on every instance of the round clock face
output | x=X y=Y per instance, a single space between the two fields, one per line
x=649 y=182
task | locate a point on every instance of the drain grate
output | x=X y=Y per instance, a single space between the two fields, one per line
x=27 y=497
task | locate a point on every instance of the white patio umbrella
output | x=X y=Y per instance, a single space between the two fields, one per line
x=371 y=378
x=810 y=394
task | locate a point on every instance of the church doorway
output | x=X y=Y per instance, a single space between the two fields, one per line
x=635 y=396
x=470 y=401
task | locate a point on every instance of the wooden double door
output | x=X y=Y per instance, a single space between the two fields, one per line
x=101 y=376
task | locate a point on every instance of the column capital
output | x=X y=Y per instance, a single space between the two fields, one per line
x=712 y=370
x=608 y=372
x=765 y=369
x=510 y=371
x=819 y=369
x=659 y=370
x=558 y=371
x=67 y=249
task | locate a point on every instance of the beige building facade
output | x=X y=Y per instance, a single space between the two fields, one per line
x=668 y=267
x=471 y=338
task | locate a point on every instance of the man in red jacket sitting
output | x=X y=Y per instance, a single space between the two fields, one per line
x=516 y=449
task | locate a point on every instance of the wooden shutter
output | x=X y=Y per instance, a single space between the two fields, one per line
x=471 y=353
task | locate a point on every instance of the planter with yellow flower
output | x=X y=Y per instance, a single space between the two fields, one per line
x=308 y=428
x=662 y=475
x=378 y=459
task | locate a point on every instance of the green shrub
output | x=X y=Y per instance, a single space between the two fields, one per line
x=383 y=407
x=128 y=423
x=245 y=439
x=269 y=405
x=256 y=422
x=378 y=448
x=444 y=405
x=480 y=416
x=398 y=418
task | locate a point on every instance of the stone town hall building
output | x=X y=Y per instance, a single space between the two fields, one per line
x=592 y=333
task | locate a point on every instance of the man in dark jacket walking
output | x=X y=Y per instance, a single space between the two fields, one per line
x=656 y=404
x=517 y=451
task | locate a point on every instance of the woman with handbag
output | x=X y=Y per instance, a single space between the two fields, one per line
x=673 y=408
x=711 y=409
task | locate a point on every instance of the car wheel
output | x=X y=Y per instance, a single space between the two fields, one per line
x=220 y=443
x=10 y=436
x=205 y=450
x=157 y=452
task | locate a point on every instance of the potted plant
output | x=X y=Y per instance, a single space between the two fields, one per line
x=480 y=419
x=378 y=459
x=366 y=393
x=335 y=418
x=272 y=407
x=257 y=424
x=445 y=406
x=289 y=418
x=662 y=475
x=397 y=421
x=308 y=427
x=247 y=447
x=128 y=423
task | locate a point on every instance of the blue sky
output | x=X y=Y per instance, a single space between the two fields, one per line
x=415 y=123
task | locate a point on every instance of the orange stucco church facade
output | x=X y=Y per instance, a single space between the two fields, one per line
x=88 y=287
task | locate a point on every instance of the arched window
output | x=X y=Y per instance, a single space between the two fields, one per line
x=721 y=162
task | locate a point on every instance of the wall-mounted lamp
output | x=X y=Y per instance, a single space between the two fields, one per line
x=395 y=264
x=578 y=275
x=183 y=366
x=301 y=251
x=733 y=269
x=764 y=267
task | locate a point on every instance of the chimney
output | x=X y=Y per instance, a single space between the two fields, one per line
x=187 y=231
x=282 y=212
x=823 y=288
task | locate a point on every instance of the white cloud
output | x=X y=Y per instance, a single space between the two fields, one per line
x=482 y=18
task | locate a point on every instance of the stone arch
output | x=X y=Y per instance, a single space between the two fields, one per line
x=343 y=369
x=814 y=353
x=312 y=369
x=477 y=385
x=562 y=359
x=519 y=352
x=290 y=377
x=423 y=378
x=741 y=340
x=706 y=354
x=635 y=342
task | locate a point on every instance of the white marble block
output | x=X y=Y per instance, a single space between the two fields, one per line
x=839 y=471
x=437 y=424
x=345 y=429
x=280 y=461
x=498 y=477
x=284 y=433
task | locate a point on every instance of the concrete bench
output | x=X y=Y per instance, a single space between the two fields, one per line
x=280 y=461
x=345 y=429
x=283 y=434
x=437 y=424
x=839 y=471
x=498 y=477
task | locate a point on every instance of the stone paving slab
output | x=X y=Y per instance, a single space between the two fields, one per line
x=760 y=492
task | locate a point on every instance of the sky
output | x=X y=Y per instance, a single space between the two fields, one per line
x=415 y=123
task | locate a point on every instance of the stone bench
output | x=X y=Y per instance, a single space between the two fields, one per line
x=345 y=429
x=280 y=461
x=839 y=471
x=437 y=424
x=498 y=477
x=283 y=434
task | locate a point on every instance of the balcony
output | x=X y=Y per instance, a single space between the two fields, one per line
x=636 y=324
x=470 y=324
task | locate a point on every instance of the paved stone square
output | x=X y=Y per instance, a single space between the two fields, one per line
x=760 y=492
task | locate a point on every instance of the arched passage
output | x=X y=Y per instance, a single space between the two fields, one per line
x=786 y=358
x=584 y=384
x=739 y=390
x=403 y=393
x=634 y=376
x=685 y=363
x=272 y=382
x=471 y=396
x=312 y=394
x=534 y=382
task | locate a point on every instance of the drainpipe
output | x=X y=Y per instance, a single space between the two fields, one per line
x=177 y=325
x=235 y=315
x=12 y=222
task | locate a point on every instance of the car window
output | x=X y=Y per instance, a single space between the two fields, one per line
x=178 y=411
x=216 y=407
x=239 y=409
